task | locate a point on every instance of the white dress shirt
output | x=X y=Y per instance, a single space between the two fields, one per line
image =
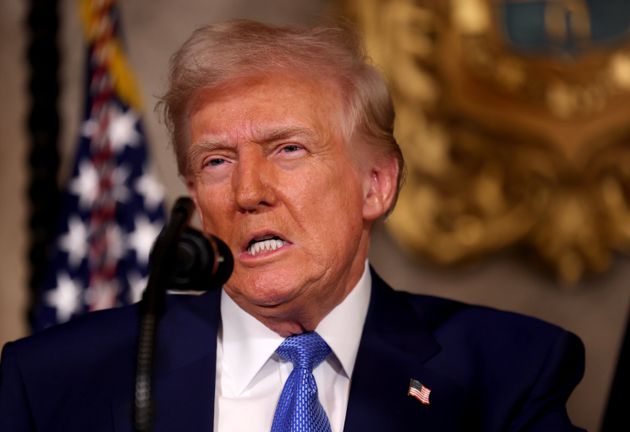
x=250 y=375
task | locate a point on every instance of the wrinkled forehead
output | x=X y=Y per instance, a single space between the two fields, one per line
x=297 y=92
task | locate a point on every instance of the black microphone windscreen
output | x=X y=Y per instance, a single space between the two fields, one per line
x=201 y=263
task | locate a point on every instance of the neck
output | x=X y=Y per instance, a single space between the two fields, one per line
x=305 y=316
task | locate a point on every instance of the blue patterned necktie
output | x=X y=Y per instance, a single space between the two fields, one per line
x=298 y=408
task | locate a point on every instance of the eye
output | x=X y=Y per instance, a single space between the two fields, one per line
x=291 y=148
x=214 y=162
x=291 y=151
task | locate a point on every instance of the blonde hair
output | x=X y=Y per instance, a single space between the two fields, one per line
x=218 y=54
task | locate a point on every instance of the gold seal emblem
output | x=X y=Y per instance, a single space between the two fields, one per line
x=514 y=118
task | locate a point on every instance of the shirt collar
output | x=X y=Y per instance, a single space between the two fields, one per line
x=343 y=326
x=247 y=343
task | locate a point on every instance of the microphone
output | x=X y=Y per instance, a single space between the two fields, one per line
x=186 y=259
x=201 y=262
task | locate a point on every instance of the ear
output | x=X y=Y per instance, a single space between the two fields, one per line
x=379 y=187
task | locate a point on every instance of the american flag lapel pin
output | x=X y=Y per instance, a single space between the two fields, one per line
x=419 y=391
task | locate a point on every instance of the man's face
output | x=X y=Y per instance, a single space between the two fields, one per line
x=273 y=177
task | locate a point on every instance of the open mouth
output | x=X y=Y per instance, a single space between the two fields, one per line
x=266 y=243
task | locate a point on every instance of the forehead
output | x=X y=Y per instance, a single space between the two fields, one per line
x=278 y=100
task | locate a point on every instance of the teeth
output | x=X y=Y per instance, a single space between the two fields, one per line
x=264 y=246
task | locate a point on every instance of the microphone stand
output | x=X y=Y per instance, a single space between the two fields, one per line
x=152 y=307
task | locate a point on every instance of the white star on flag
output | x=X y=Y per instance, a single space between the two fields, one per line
x=65 y=297
x=75 y=241
x=85 y=185
x=137 y=284
x=89 y=128
x=122 y=129
x=151 y=190
x=142 y=238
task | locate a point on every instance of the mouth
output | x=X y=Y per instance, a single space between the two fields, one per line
x=265 y=244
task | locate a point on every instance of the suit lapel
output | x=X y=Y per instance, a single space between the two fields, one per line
x=185 y=373
x=185 y=367
x=395 y=347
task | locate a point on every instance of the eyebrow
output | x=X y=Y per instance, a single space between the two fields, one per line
x=281 y=133
x=210 y=143
x=262 y=137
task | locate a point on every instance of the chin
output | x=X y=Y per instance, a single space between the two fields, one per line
x=265 y=289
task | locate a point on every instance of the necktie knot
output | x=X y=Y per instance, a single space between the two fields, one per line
x=305 y=351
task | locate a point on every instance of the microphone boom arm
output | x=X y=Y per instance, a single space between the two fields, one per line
x=182 y=259
x=151 y=308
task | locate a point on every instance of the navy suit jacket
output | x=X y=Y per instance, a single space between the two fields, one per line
x=487 y=370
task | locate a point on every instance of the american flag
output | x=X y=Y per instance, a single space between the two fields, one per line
x=419 y=391
x=113 y=206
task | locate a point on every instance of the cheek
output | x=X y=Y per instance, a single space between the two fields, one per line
x=337 y=210
x=212 y=207
x=347 y=193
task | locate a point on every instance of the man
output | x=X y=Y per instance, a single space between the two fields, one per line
x=284 y=137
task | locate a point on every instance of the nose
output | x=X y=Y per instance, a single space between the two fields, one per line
x=253 y=183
